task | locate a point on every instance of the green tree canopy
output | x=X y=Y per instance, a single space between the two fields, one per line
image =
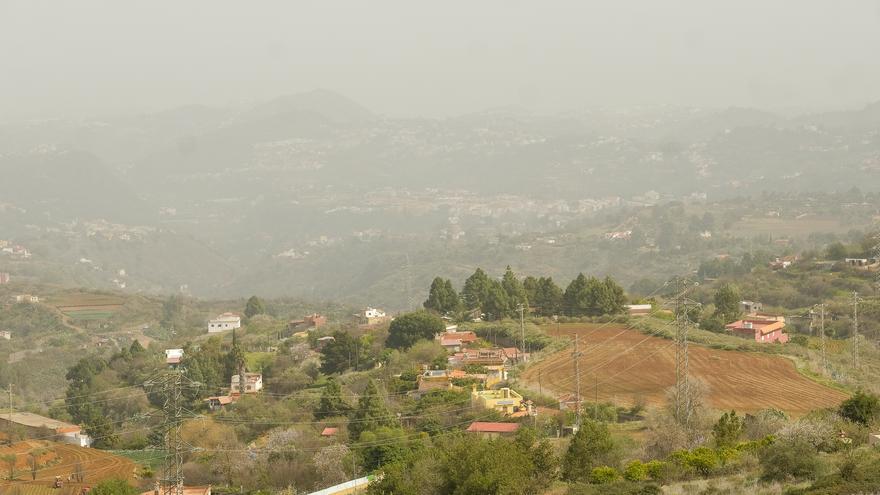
x=497 y=304
x=588 y=449
x=332 y=403
x=516 y=292
x=113 y=486
x=475 y=290
x=442 y=297
x=408 y=329
x=727 y=299
x=342 y=353
x=727 y=429
x=371 y=412
x=254 y=307
x=548 y=297
x=861 y=408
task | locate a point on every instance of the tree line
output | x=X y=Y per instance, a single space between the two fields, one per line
x=497 y=299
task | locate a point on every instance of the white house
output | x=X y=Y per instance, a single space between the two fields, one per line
x=373 y=316
x=226 y=321
x=254 y=384
x=6 y=335
x=26 y=298
x=36 y=424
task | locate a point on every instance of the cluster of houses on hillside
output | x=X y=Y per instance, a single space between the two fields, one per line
x=16 y=251
x=479 y=368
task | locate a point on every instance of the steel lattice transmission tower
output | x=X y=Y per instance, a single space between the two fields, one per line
x=682 y=307
x=171 y=384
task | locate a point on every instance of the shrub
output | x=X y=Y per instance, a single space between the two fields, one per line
x=861 y=408
x=704 y=460
x=603 y=475
x=636 y=471
x=789 y=459
x=657 y=470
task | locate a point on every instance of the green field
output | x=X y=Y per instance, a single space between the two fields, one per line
x=150 y=458
x=89 y=314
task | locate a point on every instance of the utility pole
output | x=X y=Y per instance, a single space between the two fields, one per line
x=522 y=325
x=9 y=422
x=855 y=331
x=577 y=380
x=540 y=386
x=822 y=336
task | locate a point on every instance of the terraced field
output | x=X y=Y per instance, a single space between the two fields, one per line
x=96 y=465
x=630 y=366
x=85 y=306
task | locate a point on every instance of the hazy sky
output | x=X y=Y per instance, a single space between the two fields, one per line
x=441 y=57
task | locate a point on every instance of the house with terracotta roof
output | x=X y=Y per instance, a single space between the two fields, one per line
x=492 y=430
x=760 y=328
x=218 y=402
x=329 y=431
x=456 y=341
x=493 y=360
x=444 y=379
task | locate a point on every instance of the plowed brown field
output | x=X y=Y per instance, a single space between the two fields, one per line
x=629 y=365
x=96 y=466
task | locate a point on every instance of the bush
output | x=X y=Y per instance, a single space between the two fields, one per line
x=636 y=471
x=861 y=408
x=790 y=459
x=603 y=475
x=657 y=470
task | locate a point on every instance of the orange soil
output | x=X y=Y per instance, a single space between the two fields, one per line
x=96 y=465
x=630 y=365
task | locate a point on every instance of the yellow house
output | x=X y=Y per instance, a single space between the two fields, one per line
x=505 y=400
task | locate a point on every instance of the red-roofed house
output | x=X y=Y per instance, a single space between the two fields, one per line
x=493 y=429
x=329 y=431
x=456 y=341
x=759 y=329
x=219 y=401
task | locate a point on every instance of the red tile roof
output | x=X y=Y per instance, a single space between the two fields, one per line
x=485 y=427
x=329 y=432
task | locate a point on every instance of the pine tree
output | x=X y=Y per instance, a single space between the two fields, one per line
x=575 y=298
x=442 y=297
x=371 y=412
x=475 y=289
x=516 y=293
x=549 y=297
x=497 y=304
x=332 y=404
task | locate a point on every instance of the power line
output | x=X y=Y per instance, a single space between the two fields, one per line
x=855 y=330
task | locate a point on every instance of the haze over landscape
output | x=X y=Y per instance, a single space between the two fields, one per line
x=396 y=247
